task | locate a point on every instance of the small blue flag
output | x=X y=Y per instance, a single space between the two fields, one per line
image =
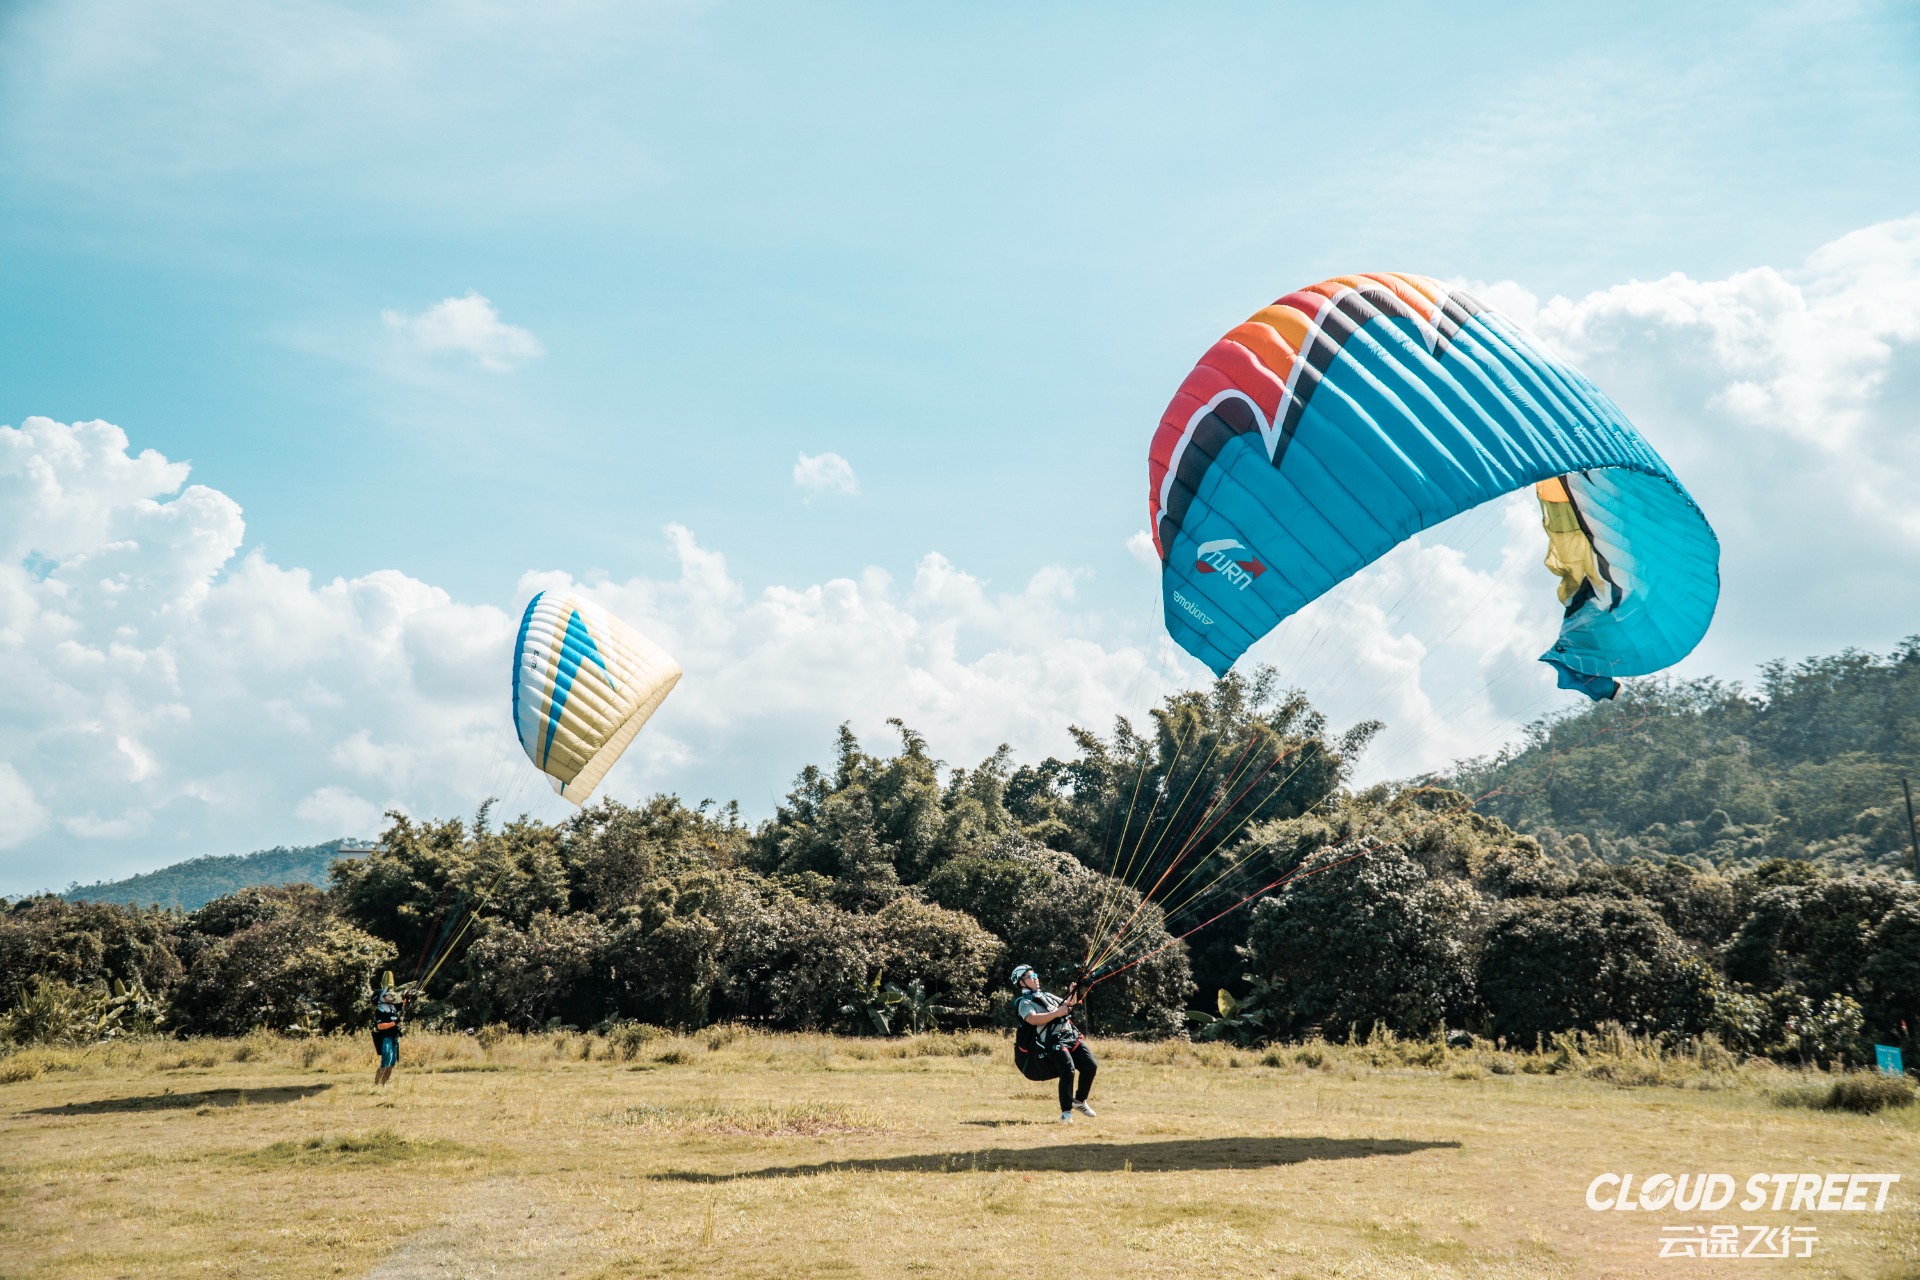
x=1889 y=1056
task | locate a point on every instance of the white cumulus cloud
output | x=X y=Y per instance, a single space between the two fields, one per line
x=168 y=692
x=824 y=473
x=1140 y=547
x=466 y=326
x=338 y=809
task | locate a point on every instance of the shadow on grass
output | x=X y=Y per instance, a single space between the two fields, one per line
x=1184 y=1155
x=185 y=1101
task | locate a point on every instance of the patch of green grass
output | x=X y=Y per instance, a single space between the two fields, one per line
x=381 y=1146
x=1862 y=1092
x=1869 y=1091
x=803 y=1119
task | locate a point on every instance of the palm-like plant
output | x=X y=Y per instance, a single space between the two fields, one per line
x=876 y=1004
x=922 y=1013
x=55 y=1012
x=1240 y=1021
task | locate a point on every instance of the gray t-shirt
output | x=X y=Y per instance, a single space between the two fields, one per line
x=1060 y=1033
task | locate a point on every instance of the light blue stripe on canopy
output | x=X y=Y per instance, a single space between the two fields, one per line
x=576 y=646
x=1395 y=440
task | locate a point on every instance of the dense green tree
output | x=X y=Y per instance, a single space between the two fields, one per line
x=547 y=970
x=1701 y=906
x=1056 y=915
x=1891 y=974
x=800 y=965
x=86 y=943
x=947 y=953
x=1379 y=941
x=1553 y=965
x=403 y=891
x=1166 y=811
x=1378 y=921
x=616 y=854
x=1692 y=856
x=1814 y=939
x=671 y=944
x=870 y=824
x=274 y=958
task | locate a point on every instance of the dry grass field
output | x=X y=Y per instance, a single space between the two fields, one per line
x=740 y=1154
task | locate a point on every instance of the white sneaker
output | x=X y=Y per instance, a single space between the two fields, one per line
x=1066 y=1117
x=1085 y=1110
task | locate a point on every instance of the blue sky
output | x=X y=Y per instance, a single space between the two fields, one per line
x=969 y=250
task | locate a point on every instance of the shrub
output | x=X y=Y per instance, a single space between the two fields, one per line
x=1828 y=1033
x=58 y=1013
x=1869 y=1091
x=1862 y=1092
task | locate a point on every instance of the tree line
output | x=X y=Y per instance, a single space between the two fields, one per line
x=891 y=893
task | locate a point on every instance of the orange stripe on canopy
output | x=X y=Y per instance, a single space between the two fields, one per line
x=1290 y=323
x=1418 y=302
x=1552 y=490
x=1266 y=344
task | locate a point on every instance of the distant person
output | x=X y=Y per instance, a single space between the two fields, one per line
x=387 y=1009
x=1056 y=1050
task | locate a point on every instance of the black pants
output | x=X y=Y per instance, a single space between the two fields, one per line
x=1062 y=1063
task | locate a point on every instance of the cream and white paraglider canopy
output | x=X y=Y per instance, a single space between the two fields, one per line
x=584 y=682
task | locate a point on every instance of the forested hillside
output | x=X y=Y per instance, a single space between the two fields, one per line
x=1808 y=765
x=193 y=884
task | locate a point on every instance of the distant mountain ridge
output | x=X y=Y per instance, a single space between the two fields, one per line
x=191 y=885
